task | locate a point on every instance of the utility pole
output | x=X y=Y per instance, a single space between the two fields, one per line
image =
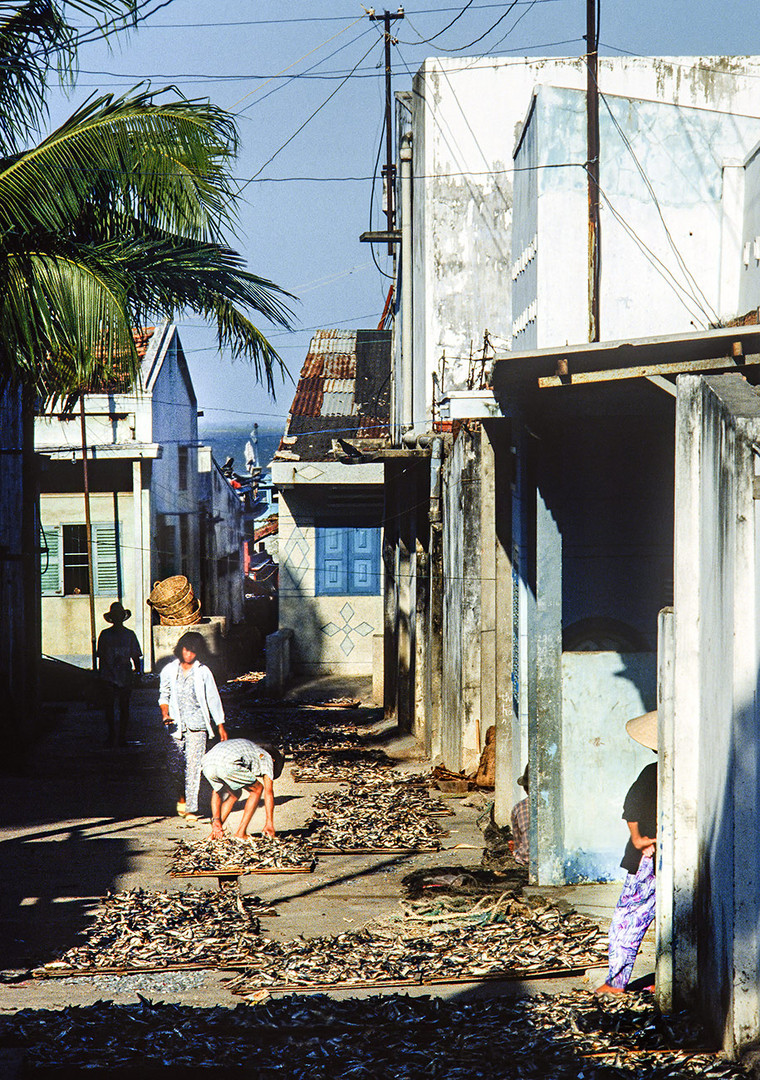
x=592 y=168
x=389 y=169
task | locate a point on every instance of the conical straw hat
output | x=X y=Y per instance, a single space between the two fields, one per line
x=644 y=729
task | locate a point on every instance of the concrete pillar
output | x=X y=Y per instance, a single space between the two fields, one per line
x=687 y=702
x=665 y=808
x=405 y=613
x=545 y=709
x=142 y=568
x=421 y=623
x=472 y=734
x=278 y=661
x=434 y=737
x=498 y=436
x=487 y=586
x=390 y=596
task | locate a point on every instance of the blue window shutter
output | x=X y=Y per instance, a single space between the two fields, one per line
x=331 y=562
x=105 y=559
x=50 y=563
x=364 y=562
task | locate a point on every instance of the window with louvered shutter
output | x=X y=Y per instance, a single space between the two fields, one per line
x=105 y=557
x=347 y=562
x=50 y=565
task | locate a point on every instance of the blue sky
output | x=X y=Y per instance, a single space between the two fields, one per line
x=303 y=234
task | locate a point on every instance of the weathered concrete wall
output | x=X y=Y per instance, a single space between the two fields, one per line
x=663 y=255
x=600 y=691
x=332 y=634
x=460 y=722
x=749 y=264
x=466 y=116
x=716 y=759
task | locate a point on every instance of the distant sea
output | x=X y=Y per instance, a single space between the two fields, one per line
x=229 y=441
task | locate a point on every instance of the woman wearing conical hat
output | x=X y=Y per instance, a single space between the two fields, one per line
x=635 y=908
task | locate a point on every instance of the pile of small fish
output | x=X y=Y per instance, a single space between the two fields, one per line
x=140 y=928
x=526 y=942
x=231 y=854
x=386 y=779
x=317 y=1038
x=387 y=801
x=379 y=822
x=340 y=766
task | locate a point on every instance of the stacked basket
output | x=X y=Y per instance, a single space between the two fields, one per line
x=173 y=601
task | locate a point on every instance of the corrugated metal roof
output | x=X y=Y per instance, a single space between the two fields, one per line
x=338 y=397
x=339 y=365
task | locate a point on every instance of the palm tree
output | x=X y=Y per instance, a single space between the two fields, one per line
x=120 y=216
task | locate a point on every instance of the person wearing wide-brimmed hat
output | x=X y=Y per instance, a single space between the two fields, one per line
x=635 y=908
x=119 y=658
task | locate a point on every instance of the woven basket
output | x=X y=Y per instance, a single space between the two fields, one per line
x=187 y=617
x=170 y=593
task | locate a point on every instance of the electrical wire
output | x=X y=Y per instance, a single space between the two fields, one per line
x=306 y=121
x=696 y=292
x=448 y=25
x=296 y=62
x=462 y=48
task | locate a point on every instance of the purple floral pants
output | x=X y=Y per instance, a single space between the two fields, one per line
x=630 y=921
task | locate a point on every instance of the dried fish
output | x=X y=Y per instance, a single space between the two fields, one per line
x=379 y=821
x=143 y=928
x=317 y=1037
x=231 y=855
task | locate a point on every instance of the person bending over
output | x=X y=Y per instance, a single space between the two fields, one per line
x=241 y=765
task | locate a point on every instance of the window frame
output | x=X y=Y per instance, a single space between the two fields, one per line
x=347 y=560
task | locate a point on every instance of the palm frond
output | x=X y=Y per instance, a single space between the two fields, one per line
x=63 y=316
x=37 y=42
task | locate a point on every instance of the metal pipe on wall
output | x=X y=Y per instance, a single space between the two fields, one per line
x=407 y=359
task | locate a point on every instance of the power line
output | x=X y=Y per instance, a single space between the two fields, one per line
x=306 y=121
x=693 y=287
x=306 y=18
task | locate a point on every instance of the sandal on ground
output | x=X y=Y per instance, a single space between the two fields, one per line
x=182 y=808
x=191 y=818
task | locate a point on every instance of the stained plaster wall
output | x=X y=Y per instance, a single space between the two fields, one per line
x=749 y=285
x=331 y=634
x=682 y=151
x=461 y=734
x=466 y=115
x=609 y=460
x=600 y=691
x=66 y=619
x=716 y=751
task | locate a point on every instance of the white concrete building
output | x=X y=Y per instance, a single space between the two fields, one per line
x=145 y=500
x=465 y=116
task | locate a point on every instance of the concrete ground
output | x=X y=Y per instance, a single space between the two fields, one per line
x=82 y=819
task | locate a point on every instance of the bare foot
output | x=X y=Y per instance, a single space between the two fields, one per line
x=241 y=835
x=605 y=988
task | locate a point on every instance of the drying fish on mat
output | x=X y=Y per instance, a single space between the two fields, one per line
x=386 y=779
x=141 y=928
x=370 y=824
x=392 y=801
x=231 y=855
x=557 y=1037
x=409 y=952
